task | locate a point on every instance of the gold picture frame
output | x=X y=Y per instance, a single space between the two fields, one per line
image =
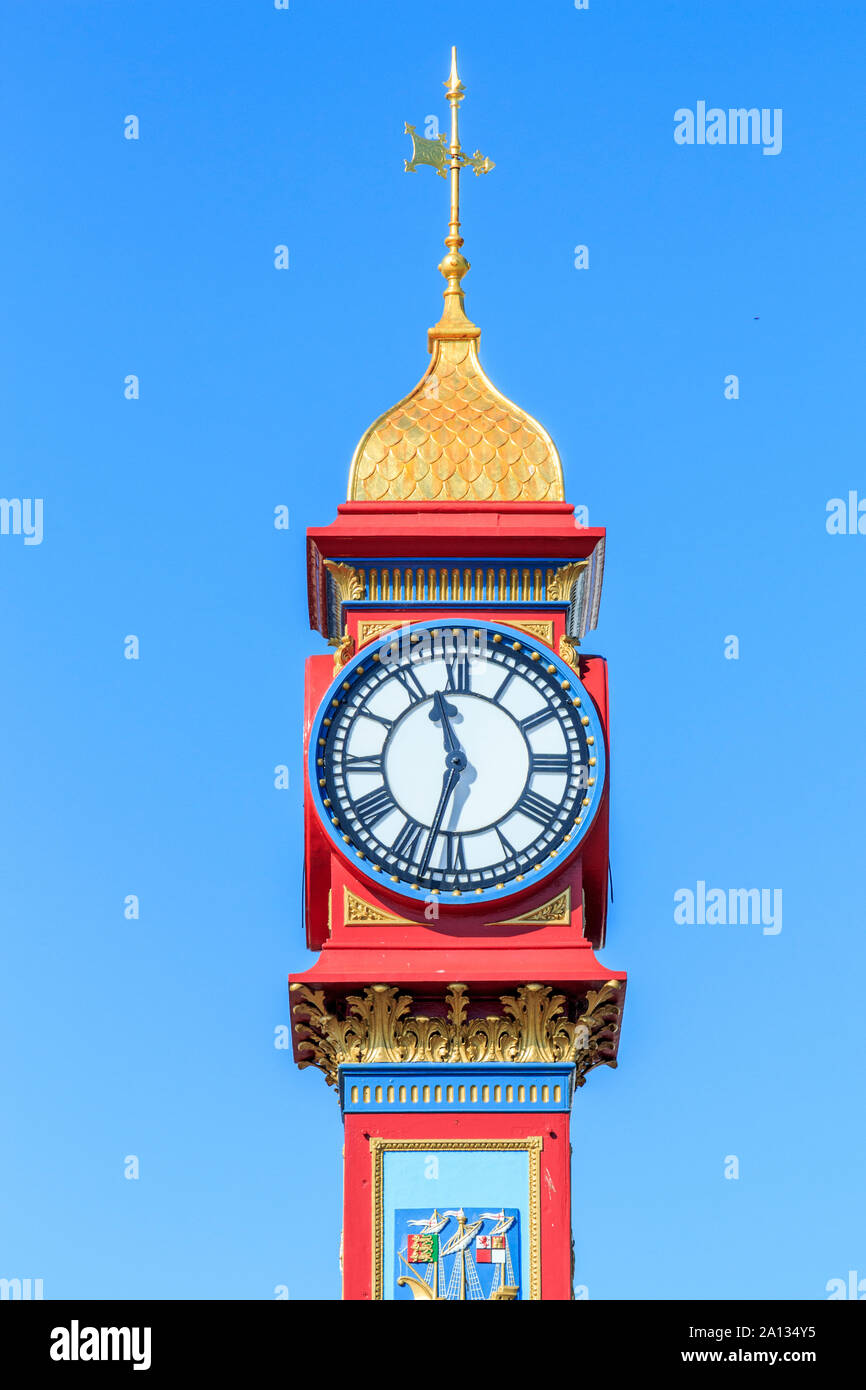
x=531 y=1145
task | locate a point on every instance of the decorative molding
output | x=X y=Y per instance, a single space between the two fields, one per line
x=560 y=584
x=451 y=580
x=542 y=630
x=343 y=652
x=455 y=581
x=357 y=912
x=381 y=1025
x=429 y=1088
x=348 y=581
x=568 y=652
x=368 y=630
x=532 y=1145
x=554 y=913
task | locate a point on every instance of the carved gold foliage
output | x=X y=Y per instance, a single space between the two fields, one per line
x=344 y=651
x=600 y=1015
x=368 y=630
x=368 y=1032
x=542 y=630
x=561 y=582
x=556 y=912
x=568 y=652
x=348 y=580
x=358 y=911
x=534 y=1025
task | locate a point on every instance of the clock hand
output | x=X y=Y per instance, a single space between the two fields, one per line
x=455 y=762
x=441 y=710
x=449 y=782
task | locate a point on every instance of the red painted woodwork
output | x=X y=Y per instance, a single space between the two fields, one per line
x=466 y=941
x=409 y=530
x=555 y=1186
x=470 y=944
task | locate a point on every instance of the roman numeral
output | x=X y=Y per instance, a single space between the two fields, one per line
x=411 y=684
x=457 y=674
x=368 y=714
x=364 y=762
x=508 y=850
x=503 y=687
x=405 y=845
x=535 y=721
x=374 y=806
x=455 y=860
x=538 y=807
x=550 y=762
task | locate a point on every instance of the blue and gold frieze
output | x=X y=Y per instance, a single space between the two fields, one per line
x=573 y=585
x=431 y=1088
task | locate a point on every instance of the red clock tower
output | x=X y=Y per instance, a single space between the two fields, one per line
x=456 y=829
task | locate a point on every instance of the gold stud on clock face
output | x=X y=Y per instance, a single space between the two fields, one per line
x=457 y=763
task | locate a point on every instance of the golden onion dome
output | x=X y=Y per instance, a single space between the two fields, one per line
x=455 y=437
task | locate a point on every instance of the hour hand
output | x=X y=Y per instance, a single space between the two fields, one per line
x=441 y=711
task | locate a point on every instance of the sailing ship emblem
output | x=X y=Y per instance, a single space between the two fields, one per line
x=458 y=1255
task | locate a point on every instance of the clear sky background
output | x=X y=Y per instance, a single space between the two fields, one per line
x=154 y=777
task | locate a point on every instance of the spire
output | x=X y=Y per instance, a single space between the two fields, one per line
x=455 y=437
x=441 y=154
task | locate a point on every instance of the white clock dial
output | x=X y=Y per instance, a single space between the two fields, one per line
x=460 y=762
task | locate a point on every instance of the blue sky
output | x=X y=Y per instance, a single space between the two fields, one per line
x=155 y=777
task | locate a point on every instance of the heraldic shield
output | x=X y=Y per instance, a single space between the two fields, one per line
x=457 y=1255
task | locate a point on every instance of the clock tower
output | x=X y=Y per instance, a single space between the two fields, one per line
x=456 y=828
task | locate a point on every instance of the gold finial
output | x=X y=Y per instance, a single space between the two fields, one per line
x=441 y=155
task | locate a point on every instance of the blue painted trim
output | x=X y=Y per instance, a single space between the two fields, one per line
x=424 y=1080
x=510 y=888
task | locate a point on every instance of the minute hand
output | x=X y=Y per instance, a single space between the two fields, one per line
x=449 y=782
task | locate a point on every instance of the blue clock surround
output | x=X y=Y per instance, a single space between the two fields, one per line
x=341 y=688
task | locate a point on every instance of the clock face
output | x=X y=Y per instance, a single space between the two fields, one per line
x=457 y=760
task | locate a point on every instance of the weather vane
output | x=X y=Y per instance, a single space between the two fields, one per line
x=442 y=155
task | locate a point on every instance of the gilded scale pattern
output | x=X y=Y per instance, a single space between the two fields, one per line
x=456 y=438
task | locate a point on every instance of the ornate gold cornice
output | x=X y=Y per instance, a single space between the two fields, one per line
x=382 y=1025
x=560 y=586
x=344 y=651
x=349 y=581
x=556 y=912
x=568 y=652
